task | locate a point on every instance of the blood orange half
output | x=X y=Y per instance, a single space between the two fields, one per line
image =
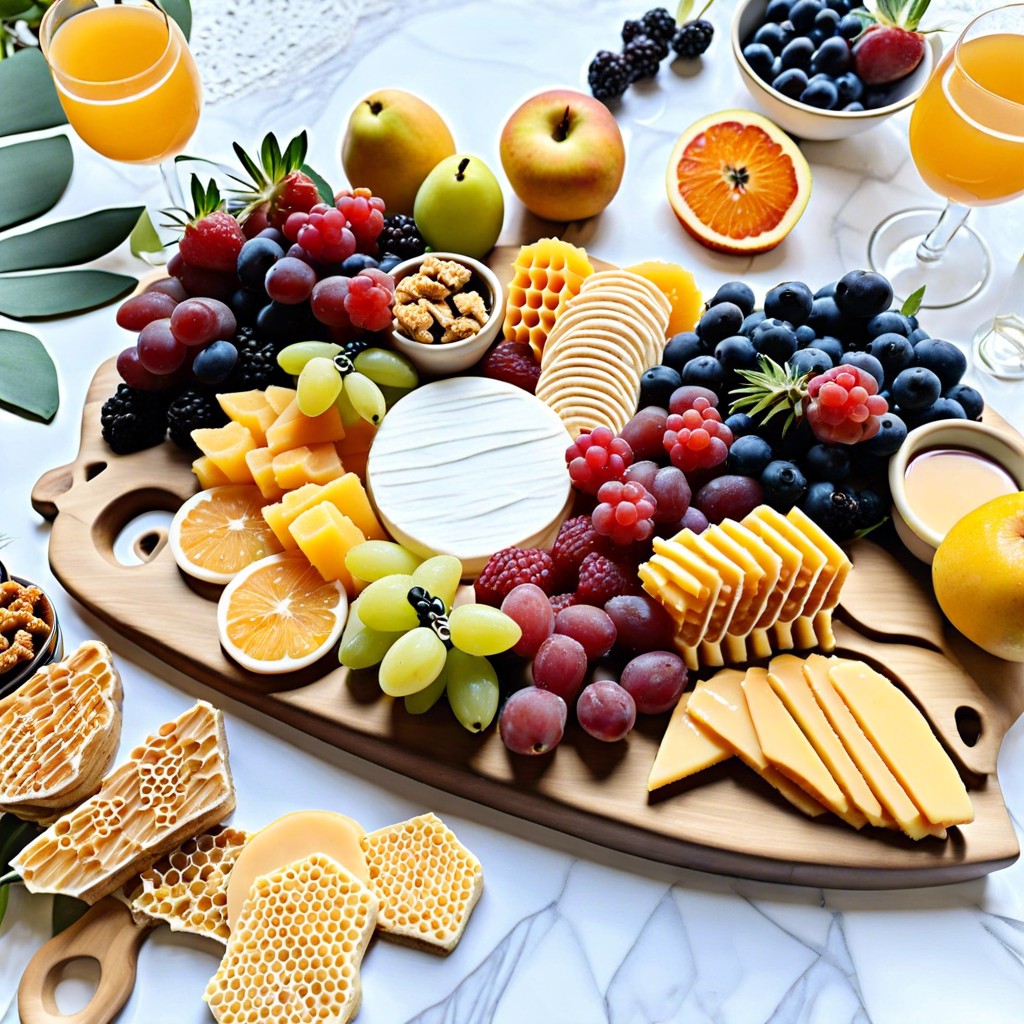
x=737 y=182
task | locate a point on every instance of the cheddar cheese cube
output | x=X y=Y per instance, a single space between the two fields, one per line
x=227 y=447
x=325 y=536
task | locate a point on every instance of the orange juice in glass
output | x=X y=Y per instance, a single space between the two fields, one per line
x=125 y=77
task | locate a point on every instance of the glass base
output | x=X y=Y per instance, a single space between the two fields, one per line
x=999 y=347
x=958 y=276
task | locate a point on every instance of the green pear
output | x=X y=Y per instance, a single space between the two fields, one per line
x=459 y=207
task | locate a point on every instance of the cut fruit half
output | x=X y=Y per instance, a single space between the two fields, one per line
x=278 y=614
x=737 y=182
x=218 y=532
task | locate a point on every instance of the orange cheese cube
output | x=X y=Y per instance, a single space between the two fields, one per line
x=227 y=447
x=293 y=430
x=261 y=464
x=346 y=494
x=208 y=474
x=310 y=464
x=251 y=409
x=324 y=536
x=355 y=462
x=358 y=438
x=279 y=398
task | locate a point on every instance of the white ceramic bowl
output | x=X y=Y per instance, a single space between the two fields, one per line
x=808 y=122
x=438 y=360
x=919 y=539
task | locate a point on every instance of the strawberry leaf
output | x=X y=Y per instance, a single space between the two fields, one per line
x=33 y=176
x=325 y=190
x=913 y=15
x=67 y=242
x=28 y=380
x=913 y=303
x=35 y=296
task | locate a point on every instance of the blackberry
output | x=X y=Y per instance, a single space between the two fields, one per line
x=631 y=29
x=659 y=25
x=609 y=75
x=133 y=419
x=193 y=410
x=693 y=38
x=257 y=363
x=401 y=237
x=644 y=56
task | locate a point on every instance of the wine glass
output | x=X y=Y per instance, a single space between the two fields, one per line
x=125 y=78
x=967 y=140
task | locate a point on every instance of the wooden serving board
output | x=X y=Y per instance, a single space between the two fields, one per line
x=724 y=820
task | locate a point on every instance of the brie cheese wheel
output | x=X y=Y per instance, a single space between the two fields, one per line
x=467 y=466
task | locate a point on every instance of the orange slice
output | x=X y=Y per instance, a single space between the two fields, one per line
x=737 y=182
x=278 y=615
x=679 y=287
x=218 y=532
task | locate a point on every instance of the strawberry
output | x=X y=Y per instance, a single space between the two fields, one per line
x=891 y=47
x=277 y=187
x=212 y=238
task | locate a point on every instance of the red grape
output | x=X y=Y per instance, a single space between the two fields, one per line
x=328 y=301
x=134 y=313
x=159 y=351
x=671 y=490
x=528 y=606
x=169 y=286
x=643 y=473
x=589 y=626
x=208 y=284
x=532 y=721
x=694 y=519
x=728 y=497
x=290 y=281
x=643 y=433
x=655 y=681
x=606 y=711
x=135 y=375
x=560 y=665
x=197 y=322
x=641 y=624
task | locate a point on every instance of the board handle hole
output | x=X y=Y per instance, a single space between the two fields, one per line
x=148 y=544
x=72 y=985
x=968 y=724
x=142 y=538
x=94 y=469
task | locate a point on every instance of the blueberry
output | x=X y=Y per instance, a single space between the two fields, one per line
x=863 y=293
x=657 y=385
x=783 y=483
x=827 y=462
x=811 y=360
x=791 y=301
x=828 y=21
x=872 y=509
x=826 y=290
x=760 y=59
x=247 y=304
x=748 y=456
x=741 y=425
x=681 y=348
x=751 y=321
x=215 y=362
x=916 y=335
x=915 y=389
x=356 y=262
x=736 y=292
x=790 y=83
x=803 y=13
x=767 y=324
x=826 y=317
x=853 y=107
x=889 y=322
x=877 y=97
x=255 y=258
x=770 y=35
x=778 y=343
x=776 y=70
x=850 y=26
x=866 y=362
x=832 y=347
x=943 y=358
x=804 y=336
x=778 y=10
x=940 y=409
x=720 y=321
x=841 y=7
x=834 y=509
x=849 y=87
x=893 y=351
x=833 y=57
x=819 y=34
x=967 y=397
x=821 y=77
x=736 y=353
x=798 y=53
x=389 y=262
x=892 y=432
x=706 y=372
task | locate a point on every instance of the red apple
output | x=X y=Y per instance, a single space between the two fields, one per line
x=563 y=154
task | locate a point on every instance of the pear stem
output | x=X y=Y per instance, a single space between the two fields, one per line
x=460 y=174
x=375 y=106
x=561 y=132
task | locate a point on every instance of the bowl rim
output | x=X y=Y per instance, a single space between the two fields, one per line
x=933 y=49
x=478 y=267
x=924 y=437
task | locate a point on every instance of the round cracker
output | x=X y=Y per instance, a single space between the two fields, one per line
x=623 y=336
x=567 y=393
x=583 y=380
x=634 y=281
x=650 y=334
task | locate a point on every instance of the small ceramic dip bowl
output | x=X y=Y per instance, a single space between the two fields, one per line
x=437 y=359
x=48 y=648
x=920 y=537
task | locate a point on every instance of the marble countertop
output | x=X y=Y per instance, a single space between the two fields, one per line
x=566 y=930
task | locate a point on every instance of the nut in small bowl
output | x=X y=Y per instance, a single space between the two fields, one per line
x=808 y=122
x=448 y=311
x=30 y=636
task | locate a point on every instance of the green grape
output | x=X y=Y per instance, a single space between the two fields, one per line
x=393 y=395
x=413 y=663
x=318 y=387
x=480 y=629
x=349 y=417
x=387 y=368
x=384 y=605
x=422 y=701
x=292 y=358
x=365 y=397
x=439 y=576
x=472 y=689
x=374 y=559
x=364 y=647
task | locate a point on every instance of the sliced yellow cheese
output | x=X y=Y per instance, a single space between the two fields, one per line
x=719 y=706
x=686 y=587
x=786 y=677
x=812 y=561
x=903 y=737
x=825 y=595
x=789 y=750
x=728 y=572
x=789 y=558
x=772 y=591
x=754 y=593
x=685 y=749
x=876 y=773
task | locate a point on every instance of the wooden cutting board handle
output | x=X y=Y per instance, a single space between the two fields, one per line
x=108 y=934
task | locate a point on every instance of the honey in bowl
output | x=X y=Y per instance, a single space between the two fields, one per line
x=943 y=484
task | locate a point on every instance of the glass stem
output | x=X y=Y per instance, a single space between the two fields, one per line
x=934 y=244
x=169 y=173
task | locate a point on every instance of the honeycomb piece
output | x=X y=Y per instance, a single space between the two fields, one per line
x=176 y=785
x=59 y=732
x=426 y=880
x=189 y=887
x=545 y=275
x=294 y=957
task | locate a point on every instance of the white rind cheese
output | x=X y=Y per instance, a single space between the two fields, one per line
x=467 y=466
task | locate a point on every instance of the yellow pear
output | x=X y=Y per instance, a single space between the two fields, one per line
x=392 y=142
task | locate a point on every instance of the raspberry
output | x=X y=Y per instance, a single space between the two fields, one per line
x=693 y=39
x=508 y=568
x=323 y=233
x=560 y=601
x=608 y=75
x=697 y=438
x=625 y=511
x=369 y=299
x=596 y=458
x=365 y=215
x=601 y=579
x=843 y=405
x=576 y=539
x=513 y=363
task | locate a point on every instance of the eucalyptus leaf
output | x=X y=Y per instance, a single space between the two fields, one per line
x=28 y=379
x=322 y=186
x=68 y=242
x=10 y=9
x=15 y=835
x=181 y=12
x=73 y=291
x=5 y=895
x=66 y=911
x=33 y=176
x=30 y=98
x=913 y=303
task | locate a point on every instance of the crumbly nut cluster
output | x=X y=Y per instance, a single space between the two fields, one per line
x=26 y=619
x=431 y=304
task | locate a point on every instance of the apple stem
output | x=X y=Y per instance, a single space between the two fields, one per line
x=561 y=132
x=375 y=106
x=460 y=174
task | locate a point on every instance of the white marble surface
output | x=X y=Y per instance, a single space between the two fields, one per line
x=565 y=931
